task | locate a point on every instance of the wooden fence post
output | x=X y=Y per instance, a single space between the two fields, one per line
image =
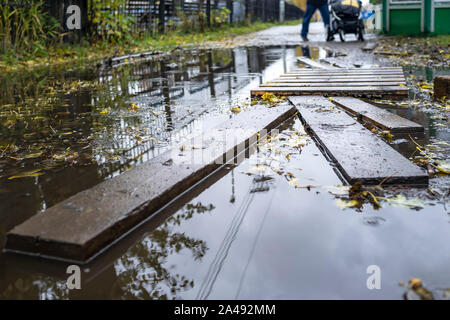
x=230 y=7
x=208 y=12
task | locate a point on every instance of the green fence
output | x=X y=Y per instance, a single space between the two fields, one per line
x=416 y=17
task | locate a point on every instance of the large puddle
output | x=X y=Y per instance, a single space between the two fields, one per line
x=247 y=233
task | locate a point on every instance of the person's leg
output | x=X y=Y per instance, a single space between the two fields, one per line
x=325 y=13
x=310 y=9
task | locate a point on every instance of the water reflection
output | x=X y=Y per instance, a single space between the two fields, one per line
x=142 y=272
x=240 y=236
x=87 y=126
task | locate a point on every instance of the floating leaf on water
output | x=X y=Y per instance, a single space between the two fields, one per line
x=236 y=110
x=343 y=204
x=443 y=166
x=258 y=169
x=33 y=155
x=416 y=291
x=133 y=107
x=387 y=134
x=401 y=200
x=338 y=190
x=27 y=174
x=426 y=86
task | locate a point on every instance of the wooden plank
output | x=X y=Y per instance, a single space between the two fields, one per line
x=394 y=92
x=380 y=73
x=81 y=226
x=352 y=78
x=358 y=154
x=329 y=84
x=369 y=46
x=358 y=69
x=300 y=82
x=342 y=74
x=343 y=70
x=377 y=116
x=336 y=79
x=348 y=70
x=314 y=64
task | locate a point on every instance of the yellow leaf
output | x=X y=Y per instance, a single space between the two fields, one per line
x=27 y=174
x=33 y=155
x=426 y=86
x=236 y=110
x=343 y=204
x=414 y=283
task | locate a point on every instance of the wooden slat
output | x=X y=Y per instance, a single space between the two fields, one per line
x=369 y=46
x=314 y=64
x=343 y=70
x=391 y=91
x=352 y=69
x=379 y=73
x=329 y=84
x=379 y=117
x=380 y=82
x=337 y=79
x=358 y=154
x=334 y=80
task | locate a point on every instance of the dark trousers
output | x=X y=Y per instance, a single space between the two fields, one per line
x=310 y=9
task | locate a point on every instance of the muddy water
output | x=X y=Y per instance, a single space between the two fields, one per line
x=240 y=234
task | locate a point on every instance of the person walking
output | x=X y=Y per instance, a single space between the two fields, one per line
x=311 y=7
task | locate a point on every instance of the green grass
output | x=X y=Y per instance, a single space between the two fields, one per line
x=88 y=53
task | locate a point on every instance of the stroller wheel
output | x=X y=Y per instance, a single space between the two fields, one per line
x=360 y=35
x=342 y=35
x=330 y=36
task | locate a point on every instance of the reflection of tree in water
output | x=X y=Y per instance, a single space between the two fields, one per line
x=142 y=272
x=35 y=287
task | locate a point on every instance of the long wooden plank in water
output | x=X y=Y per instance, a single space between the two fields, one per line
x=377 y=116
x=391 y=92
x=81 y=226
x=359 y=154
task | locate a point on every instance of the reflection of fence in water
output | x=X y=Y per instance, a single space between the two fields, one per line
x=160 y=89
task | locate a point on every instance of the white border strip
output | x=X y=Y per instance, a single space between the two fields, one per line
x=422 y=16
x=432 y=16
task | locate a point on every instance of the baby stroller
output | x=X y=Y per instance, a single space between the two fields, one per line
x=345 y=17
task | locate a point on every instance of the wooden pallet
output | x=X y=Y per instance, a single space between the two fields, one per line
x=375 y=82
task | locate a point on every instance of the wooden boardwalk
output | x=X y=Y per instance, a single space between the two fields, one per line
x=376 y=82
x=359 y=154
x=80 y=227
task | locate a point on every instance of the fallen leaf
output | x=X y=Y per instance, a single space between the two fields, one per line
x=343 y=204
x=236 y=110
x=27 y=174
